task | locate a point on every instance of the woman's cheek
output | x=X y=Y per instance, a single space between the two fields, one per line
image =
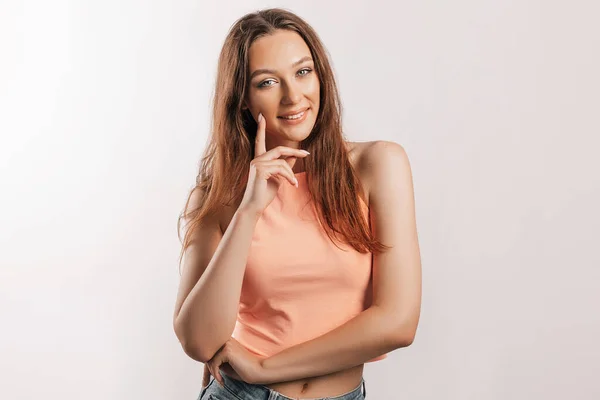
x=314 y=87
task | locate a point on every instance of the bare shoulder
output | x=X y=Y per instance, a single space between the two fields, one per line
x=384 y=156
x=375 y=158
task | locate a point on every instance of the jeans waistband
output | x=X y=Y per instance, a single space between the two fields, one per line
x=261 y=391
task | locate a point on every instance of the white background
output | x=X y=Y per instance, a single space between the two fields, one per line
x=104 y=110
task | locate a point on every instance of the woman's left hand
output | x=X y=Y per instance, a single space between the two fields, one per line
x=236 y=361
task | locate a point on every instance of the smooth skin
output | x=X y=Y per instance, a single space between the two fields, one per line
x=214 y=263
x=282 y=80
x=266 y=173
x=211 y=282
x=260 y=192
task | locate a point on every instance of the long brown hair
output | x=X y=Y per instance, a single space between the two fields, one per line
x=225 y=164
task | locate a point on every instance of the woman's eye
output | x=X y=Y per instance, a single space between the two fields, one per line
x=263 y=83
x=305 y=69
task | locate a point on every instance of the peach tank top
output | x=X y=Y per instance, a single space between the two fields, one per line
x=298 y=285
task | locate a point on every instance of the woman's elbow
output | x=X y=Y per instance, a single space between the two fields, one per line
x=191 y=348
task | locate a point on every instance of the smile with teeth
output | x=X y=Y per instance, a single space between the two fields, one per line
x=295 y=116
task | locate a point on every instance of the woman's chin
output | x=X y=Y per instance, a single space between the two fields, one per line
x=299 y=132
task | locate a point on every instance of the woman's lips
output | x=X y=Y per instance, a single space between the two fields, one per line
x=295 y=121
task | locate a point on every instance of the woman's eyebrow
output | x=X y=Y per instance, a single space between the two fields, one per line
x=270 y=71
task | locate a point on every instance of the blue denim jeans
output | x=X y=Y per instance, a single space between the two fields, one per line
x=240 y=390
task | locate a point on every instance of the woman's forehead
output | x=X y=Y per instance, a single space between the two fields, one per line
x=277 y=51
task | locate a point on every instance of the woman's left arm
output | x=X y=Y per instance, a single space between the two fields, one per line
x=391 y=322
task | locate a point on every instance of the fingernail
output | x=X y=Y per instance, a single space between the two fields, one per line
x=260 y=117
x=305 y=151
x=296 y=182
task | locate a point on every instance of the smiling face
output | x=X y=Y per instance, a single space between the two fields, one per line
x=283 y=81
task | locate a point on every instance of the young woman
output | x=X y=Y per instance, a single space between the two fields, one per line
x=301 y=253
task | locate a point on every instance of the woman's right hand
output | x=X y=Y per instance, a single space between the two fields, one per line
x=268 y=171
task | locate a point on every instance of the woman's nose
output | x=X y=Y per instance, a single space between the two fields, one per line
x=291 y=94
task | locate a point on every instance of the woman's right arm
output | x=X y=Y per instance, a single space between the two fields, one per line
x=211 y=282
